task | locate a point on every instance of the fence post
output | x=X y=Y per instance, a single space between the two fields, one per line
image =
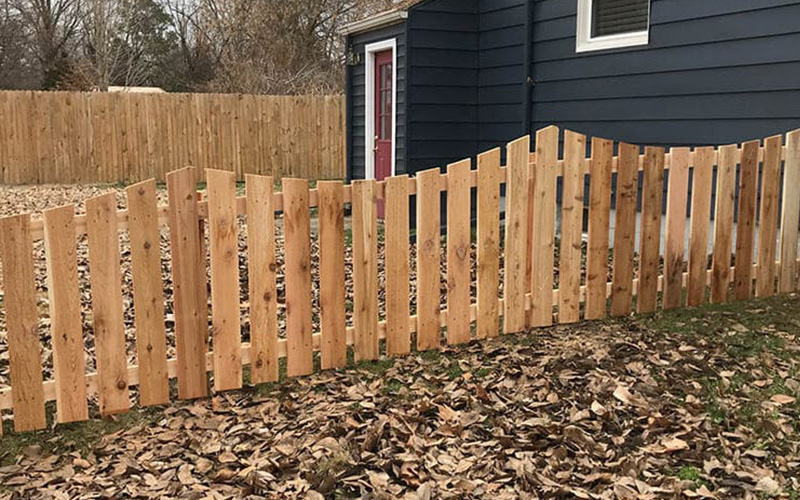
x=543 y=226
x=624 y=230
x=107 y=314
x=488 y=273
x=189 y=282
x=458 y=252
x=791 y=214
x=723 y=224
x=224 y=238
x=65 y=314
x=297 y=237
x=650 y=237
x=398 y=311
x=746 y=229
x=516 y=241
x=428 y=259
x=570 y=250
x=768 y=225
x=332 y=274
x=365 y=269
x=675 y=232
x=22 y=320
x=599 y=221
x=704 y=159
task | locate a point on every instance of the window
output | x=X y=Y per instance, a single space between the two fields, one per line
x=612 y=24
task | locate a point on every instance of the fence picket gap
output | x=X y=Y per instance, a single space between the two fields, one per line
x=790 y=214
x=543 y=226
x=189 y=282
x=516 y=238
x=22 y=321
x=599 y=221
x=723 y=223
x=398 y=335
x=768 y=223
x=332 y=274
x=428 y=259
x=569 y=267
x=262 y=270
x=746 y=228
x=704 y=159
x=297 y=236
x=66 y=325
x=650 y=236
x=675 y=232
x=624 y=230
x=224 y=242
x=458 y=252
x=107 y=314
x=488 y=242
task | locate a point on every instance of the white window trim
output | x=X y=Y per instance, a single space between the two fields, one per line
x=369 y=120
x=585 y=42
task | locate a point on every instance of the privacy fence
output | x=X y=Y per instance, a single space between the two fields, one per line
x=74 y=137
x=516 y=265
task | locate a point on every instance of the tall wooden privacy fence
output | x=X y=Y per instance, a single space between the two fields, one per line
x=764 y=262
x=74 y=137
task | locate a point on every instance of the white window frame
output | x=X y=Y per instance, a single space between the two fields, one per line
x=586 y=43
x=369 y=120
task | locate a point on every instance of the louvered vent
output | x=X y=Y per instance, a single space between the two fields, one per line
x=612 y=17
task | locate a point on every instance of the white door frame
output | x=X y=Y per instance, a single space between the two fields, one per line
x=369 y=106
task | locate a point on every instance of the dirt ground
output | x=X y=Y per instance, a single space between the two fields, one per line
x=696 y=403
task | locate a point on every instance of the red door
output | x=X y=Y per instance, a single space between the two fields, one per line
x=384 y=116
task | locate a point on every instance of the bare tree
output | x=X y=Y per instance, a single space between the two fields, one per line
x=53 y=25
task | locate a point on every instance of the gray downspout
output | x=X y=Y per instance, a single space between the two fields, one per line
x=529 y=80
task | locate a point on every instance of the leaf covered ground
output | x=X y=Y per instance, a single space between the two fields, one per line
x=698 y=403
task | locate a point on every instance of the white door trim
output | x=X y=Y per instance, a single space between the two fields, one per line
x=369 y=118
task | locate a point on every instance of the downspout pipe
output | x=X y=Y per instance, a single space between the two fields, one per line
x=529 y=82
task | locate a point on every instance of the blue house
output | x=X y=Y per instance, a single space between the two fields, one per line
x=434 y=81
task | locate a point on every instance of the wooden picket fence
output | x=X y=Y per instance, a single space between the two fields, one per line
x=765 y=262
x=77 y=137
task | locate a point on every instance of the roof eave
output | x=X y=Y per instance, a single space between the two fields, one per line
x=381 y=20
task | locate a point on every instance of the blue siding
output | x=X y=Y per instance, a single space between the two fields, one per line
x=356 y=93
x=442 y=82
x=714 y=72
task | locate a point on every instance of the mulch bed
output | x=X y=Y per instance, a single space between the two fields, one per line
x=693 y=403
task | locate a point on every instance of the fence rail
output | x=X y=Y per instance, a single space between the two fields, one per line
x=75 y=137
x=765 y=262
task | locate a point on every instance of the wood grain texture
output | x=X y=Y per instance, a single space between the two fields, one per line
x=675 y=231
x=569 y=267
x=224 y=241
x=148 y=294
x=488 y=266
x=107 y=314
x=516 y=238
x=625 y=230
x=746 y=228
x=723 y=223
x=699 y=223
x=22 y=322
x=332 y=275
x=787 y=281
x=650 y=236
x=262 y=271
x=599 y=221
x=768 y=223
x=189 y=284
x=458 y=253
x=398 y=334
x=365 y=269
x=66 y=324
x=297 y=236
x=543 y=227
x=428 y=259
